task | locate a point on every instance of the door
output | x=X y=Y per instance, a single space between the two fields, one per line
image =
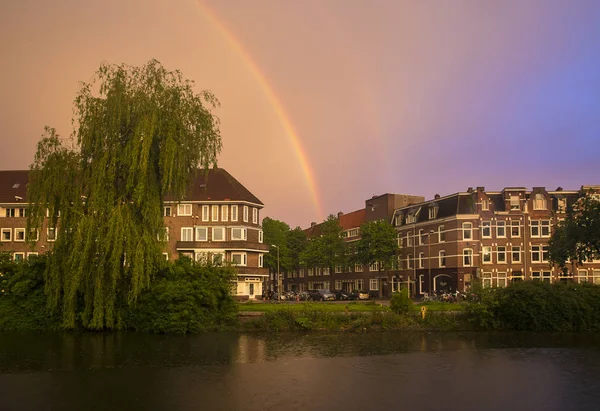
x=251 y=290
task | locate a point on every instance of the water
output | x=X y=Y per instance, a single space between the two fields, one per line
x=229 y=371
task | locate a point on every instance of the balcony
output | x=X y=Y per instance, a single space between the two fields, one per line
x=227 y=245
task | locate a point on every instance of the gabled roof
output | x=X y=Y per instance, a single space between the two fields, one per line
x=214 y=185
x=347 y=221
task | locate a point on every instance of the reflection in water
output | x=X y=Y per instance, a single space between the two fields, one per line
x=229 y=371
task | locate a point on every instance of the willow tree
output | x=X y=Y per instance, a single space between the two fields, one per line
x=139 y=133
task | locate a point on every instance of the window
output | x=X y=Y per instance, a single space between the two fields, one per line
x=311 y=272
x=218 y=258
x=485 y=204
x=501 y=254
x=442 y=257
x=19 y=234
x=301 y=273
x=339 y=269
x=421 y=237
x=399 y=240
x=467 y=229
x=515 y=202
x=22 y=212
x=224 y=212
x=441 y=234
x=33 y=235
x=374 y=266
x=562 y=205
x=9 y=212
x=535 y=228
x=358 y=268
x=51 y=234
x=409 y=261
x=32 y=254
x=19 y=257
x=582 y=275
x=486 y=255
x=214 y=213
x=187 y=234
x=411 y=218
x=433 y=212
x=238 y=233
x=502 y=280
x=501 y=229
x=541 y=276
x=338 y=284
x=421 y=260
x=374 y=284
x=6 y=234
x=260 y=236
x=486 y=229
x=218 y=234
x=539 y=253
x=545 y=228
x=184 y=209
x=205 y=213
x=234 y=212
x=467 y=257
x=409 y=240
x=486 y=279
x=422 y=284
x=596 y=276
x=167 y=211
x=245 y=214
x=539 y=202
x=516 y=254
x=166 y=255
x=515 y=228
x=398 y=220
x=238 y=258
x=201 y=233
x=254 y=215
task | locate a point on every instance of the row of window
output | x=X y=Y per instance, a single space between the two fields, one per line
x=217 y=258
x=15 y=212
x=19 y=234
x=539 y=254
x=217 y=234
x=223 y=212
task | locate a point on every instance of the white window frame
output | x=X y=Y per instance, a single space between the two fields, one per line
x=502 y=280
x=421 y=260
x=19 y=232
x=168 y=213
x=48 y=230
x=338 y=284
x=442 y=258
x=486 y=226
x=501 y=229
x=243 y=259
x=540 y=202
x=184 y=209
x=467 y=253
x=243 y=234
x=260 y=236
x=536 y=253
x=500 y=253
x=205 y=213
x=516 y=226
x=409 y=261
x=325 y=271
x=421 y=237
x=374 y=266
x=224 y=213
x=467 y=228
x=545 y=228
x=19 y=253
x=339 y=269
x=561 y=205
x=441 y=234
x=485 y=204
x=486 y=279
x=245 y=216
x=515 y=249
x=515 y=202
x=535 y=229
x=10 y=235
x=486 y=255
x=189 y=233
x=409 y=239
x=214 y=213
x=217 y=258
x=582 y=276
x=374 y=284
x=260 y=259
x=218 y=229
x=358 y=268
x=234 y=212
x=254 y=215
x=198 y=232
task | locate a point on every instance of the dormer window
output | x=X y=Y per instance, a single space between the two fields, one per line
x=515 y=202
x=562 y=205
x=433 y=210
x=485 y=204
x=539 y=202
x=398 y=220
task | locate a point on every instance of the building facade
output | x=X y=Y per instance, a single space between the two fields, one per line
x=218 y=220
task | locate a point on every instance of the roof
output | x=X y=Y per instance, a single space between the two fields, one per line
x=216 y=184
x=347 y=221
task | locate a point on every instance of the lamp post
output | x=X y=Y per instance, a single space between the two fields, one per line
x=430 y=283
x=278 y=275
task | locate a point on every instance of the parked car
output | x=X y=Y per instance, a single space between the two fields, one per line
x=359 y=295
x=341 y=295
x=321 y=295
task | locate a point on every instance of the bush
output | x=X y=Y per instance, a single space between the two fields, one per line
x=401 y=303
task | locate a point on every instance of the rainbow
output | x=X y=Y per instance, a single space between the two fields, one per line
x=275 y=103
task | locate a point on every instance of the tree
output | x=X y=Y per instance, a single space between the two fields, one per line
x=327 y=248
x=296 y=243
x=275 y=234
x=139 y=134
x=577 y=238
x=378 y=243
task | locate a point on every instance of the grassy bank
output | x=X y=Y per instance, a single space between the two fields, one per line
x=351 y=306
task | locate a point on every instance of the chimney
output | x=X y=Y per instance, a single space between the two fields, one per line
x=480 y=188
x=340 y=214
x=313 y=224
x=437 y=196
x=470 y=190
x=559 y=189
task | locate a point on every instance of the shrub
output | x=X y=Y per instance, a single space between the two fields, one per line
x=401 y=303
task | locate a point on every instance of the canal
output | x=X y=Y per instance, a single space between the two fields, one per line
x=230 y=371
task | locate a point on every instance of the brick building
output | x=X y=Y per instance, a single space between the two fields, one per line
x=218 y=220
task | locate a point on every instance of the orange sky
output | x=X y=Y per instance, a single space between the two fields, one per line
x=414 y=96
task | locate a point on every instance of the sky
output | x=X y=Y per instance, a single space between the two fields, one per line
x=325 y=103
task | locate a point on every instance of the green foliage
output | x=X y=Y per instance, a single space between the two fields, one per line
x=140 y=133
x=185 y=298
x=401 y=303
x=327 y=248
x=378 y=243
x=538 y=306
x=577 y=238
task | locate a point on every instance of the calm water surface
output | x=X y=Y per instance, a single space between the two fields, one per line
x=374 y=371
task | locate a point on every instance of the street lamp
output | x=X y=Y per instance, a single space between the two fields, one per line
x=430 y=283
x=279 y=285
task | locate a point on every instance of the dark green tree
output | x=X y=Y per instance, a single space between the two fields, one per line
x=139 y=133
x=378 y=243
x=275 y=235
x=326 y=248
x=296 y=243
x=577 y=238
